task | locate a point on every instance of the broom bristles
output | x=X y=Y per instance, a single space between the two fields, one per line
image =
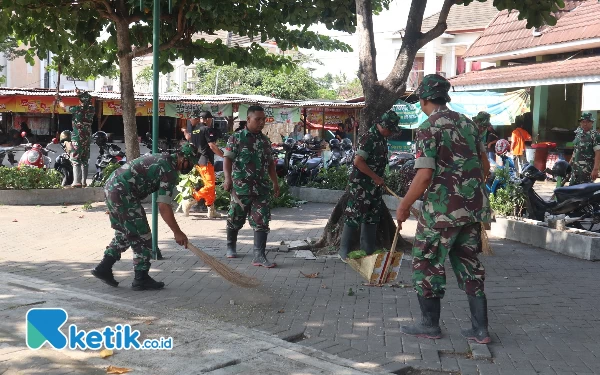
x=226 y=272
x=485 y=242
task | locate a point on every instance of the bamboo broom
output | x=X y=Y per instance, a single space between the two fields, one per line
x=226 y=272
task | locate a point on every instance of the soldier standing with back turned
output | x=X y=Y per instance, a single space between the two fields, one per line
x=451 y=164
x=586 y=154
x=248 y=164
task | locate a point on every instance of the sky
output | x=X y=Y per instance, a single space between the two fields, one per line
x=385 y=23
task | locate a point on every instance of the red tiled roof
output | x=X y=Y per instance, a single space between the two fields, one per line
x=579 y=20
x=475 y=16
x=586 y=69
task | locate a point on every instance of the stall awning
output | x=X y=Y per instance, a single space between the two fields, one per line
x=576 y=70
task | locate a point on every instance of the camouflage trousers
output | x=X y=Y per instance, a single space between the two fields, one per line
x=128 y=219
x=80 y=152
x=254 y=207
x=364 y=205
x=582 y=173
x=461 y=244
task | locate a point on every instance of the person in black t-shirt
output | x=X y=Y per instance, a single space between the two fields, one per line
x=200 y=133
x=340 y=133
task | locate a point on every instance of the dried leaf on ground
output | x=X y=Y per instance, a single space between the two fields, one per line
x=148 y=322
x=106 y=353
x=15 y=221
x=117 y=370
x=310 y=275
x=81 y=217
x=281 y=311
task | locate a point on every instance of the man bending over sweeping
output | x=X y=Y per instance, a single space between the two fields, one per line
x=124 y=191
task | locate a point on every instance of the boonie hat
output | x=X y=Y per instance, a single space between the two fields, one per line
x=433 y=86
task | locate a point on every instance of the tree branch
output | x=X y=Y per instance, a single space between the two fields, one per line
x=440 y=27
x=110 y=14
x=181 y=29
x=367 y=70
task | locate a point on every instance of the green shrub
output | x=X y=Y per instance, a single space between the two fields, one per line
x=25 y=178
x=331 y=179
x=110 y=168
x=510 y=199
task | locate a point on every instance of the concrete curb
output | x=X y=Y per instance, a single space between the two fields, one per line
x=563 y=242
x=49 y=197
x=332 y=196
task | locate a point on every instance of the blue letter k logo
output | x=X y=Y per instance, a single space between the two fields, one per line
x=44 y=325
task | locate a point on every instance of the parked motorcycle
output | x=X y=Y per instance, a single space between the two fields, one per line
x=398 y=159
x=304 y=165
x=579 y=204
x=109 y=153
x=7 y=151
x=63 y=161
x=35 y=155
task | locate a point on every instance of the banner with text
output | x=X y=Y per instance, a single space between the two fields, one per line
x=274 y=115
x=41 y=104
x=333 y=116
x=184 y=110
x=114 y=108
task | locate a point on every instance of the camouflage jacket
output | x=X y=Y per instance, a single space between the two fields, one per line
x=251 y=155
x=83 y=117
x=372 y=146
x=451 y=145
x=146 y=175
x=585 y=145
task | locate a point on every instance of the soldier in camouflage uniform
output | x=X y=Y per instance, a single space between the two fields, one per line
x=451 y=164
x=586 y=155
x=366 y=178
x=248 y=164
x=83 y=116
x=124 y=191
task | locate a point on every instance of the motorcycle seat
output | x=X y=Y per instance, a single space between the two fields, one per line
x=576 y=191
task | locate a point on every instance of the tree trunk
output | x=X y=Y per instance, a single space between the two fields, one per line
x=132 y=145
x=330 y=240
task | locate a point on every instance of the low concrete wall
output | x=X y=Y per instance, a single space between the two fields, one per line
x=49 y=197
x=563 y=242
x=333 y=196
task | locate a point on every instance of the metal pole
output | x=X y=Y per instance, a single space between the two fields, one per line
x=155 y=52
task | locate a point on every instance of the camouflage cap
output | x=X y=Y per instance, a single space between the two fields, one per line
x=190 y=152
x=390 y=120
x=85 y=97
x=433 y=86
x=586 y=116
x=482 y=118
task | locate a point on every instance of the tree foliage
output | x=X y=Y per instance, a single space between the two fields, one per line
x=295 y=84
x=89 y=37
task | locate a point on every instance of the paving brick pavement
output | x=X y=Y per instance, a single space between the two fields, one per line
x=544 y=307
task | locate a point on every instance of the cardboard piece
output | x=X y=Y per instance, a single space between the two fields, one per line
x=372 y=267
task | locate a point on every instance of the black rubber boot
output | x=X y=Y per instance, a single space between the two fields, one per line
x=103 y=271
x=429 y=327
x=231 y=242
x=346 y=242
x=368 y=237
x=260 y=245
x=159 y=255
x=479 y=321
x=143 y=281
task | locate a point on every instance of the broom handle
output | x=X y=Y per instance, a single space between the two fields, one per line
x=390 y=258
x=412 y=209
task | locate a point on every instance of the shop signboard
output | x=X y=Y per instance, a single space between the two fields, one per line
x=276 y=115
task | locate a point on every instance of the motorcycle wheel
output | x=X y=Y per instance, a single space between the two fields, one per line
x=97 y=178
x=291 y=179
x=67 y=176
